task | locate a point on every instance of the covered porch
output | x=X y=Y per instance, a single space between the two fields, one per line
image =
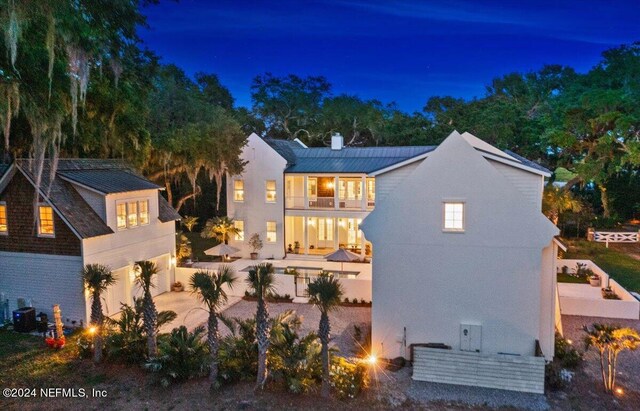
x=314 y=235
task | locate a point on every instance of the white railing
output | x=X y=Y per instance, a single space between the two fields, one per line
x=294 y=202
x=322 y=202
x=350 y=203
x=615 y=237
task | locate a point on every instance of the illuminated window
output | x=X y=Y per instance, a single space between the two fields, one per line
x=132 y=214
x=239 y=225
x=3 y=218
x=238 y=190
x=143 y=212
x=271 y=231
x=371 y=191
x=45 y=220
x=121 y=216
x=271 y=191
x=454 y=216
x=312 y=187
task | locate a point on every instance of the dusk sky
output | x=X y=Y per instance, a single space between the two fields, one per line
x=394 y=50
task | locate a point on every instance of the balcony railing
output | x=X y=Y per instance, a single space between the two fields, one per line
x=350 y=203
x=298 y=202
x=322 y=202
x=294 y=202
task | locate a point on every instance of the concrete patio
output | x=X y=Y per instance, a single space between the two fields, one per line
x=191 y=313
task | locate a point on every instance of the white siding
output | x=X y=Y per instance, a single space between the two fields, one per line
x=95 y=201
x=264 y=163
x=46 y=280
x=386 y=182
x=529 y=184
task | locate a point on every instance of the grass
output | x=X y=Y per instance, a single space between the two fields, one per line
x=199 y=245
x=566 y=278
x=619 y=265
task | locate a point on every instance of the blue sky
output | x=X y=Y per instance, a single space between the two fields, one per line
x=393 y=50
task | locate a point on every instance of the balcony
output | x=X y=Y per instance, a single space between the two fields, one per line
x=330 y=193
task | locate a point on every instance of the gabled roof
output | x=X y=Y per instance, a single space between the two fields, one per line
x=378 y=160
x=104 y=176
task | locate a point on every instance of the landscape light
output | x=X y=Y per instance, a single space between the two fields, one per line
x=372 y=359
x=619 y=391
x=569 y=342
x=92 y=330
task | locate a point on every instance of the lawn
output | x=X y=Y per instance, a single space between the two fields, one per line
x=199 y=244
x=566 y=278
x=619 y=265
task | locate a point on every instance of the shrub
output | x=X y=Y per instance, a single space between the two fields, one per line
x=183 y=355
x=609 y=294
x=348 y=378
x=85 y=345
x=362 y=340
x=238 y=353
x=566 y=354
x=127 y=339
x=553 y=378
x=293 y=360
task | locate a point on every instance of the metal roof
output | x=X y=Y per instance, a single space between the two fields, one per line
x=527 y=162
x=352 y=159
x=108 y=181
x=285 y=148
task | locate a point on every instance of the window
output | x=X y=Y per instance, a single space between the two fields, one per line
x=312 y=187
x=3 y=218
x=371 y=191
x=239 y=225
x=132 y=214
x=143 y=212
x=238 y=190
x=453 y=216
x=271 y=191
x=271 y=231
x=45 y=221
x=121 y=215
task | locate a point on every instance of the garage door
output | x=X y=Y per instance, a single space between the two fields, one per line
x=117 y=293
x=162 y=279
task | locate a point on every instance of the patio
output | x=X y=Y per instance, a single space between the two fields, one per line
x=191 y=313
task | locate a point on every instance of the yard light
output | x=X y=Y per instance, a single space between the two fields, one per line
x=619 y=391
x=569 y=342
x=92 y=330
x=372 y=359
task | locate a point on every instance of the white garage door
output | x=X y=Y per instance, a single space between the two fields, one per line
x=162 y=279
x=117 y=293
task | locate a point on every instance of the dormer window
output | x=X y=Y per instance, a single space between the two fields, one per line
x=131 y=214
x=45 y=221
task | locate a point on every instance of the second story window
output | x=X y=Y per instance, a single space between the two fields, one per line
x=453 y=217
x=121 y=216
x=132 y=214
x=271 y=232
x=271 y=191
x=238 y=190
x=45 y=221
x=143 y=212
x=371 y=192
x=239 y=225
x=3 y=218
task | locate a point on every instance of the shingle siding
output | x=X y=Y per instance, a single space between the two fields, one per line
x=45 y=280
x=22 y=229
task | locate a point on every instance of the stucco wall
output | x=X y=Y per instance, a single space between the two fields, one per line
x=45 y=280
x=264 y=164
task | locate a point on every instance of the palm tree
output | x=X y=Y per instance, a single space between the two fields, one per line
x=189 y=222
x=610 y=340
x=209 y=288
x=325 y=292
x=146 y=271
x=555 y=201
x=261 y=280
x=97 y=278
x=220 y=228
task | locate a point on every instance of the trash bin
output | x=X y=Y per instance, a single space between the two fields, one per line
x=24 y=319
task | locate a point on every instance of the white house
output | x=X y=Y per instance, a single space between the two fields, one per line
x=306 y=201
x=466 y=260
x=93 y=211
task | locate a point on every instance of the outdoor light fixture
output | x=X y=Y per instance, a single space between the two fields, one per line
x=92 y=330
x=329 y=185
x=173 y=261
x=619 y=391
x=372 y=359
x=569 y=342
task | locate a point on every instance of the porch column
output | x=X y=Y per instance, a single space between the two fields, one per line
x=336 y=199
x=335 y=233
x=363 y=193
x=305 y=231
x=305 y=189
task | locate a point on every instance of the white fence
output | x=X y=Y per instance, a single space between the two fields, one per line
x=585 y=304
x=613 y=236
x=285 y=284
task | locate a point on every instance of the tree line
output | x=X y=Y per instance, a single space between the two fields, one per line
x=76 y=81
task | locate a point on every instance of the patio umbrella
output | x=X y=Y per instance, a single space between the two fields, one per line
x=222 y=249
x=342 y=256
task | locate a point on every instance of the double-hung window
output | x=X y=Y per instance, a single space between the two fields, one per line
x=3 y=218
x=131 y=214
x=239 y=225
x=453 y=216
x=271 y=232
x=271 y=191
x=45 y=221
x=238 y=190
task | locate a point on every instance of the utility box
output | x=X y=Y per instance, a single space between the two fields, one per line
x=470 y=337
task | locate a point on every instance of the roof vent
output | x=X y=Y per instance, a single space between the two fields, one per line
x=337 y=142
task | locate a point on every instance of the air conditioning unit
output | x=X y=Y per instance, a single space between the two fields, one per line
x=470 y=337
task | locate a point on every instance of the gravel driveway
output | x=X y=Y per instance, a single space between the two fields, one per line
x=342 y=320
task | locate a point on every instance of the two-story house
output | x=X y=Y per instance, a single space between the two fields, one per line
x=309 y=201
x=91 y=211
